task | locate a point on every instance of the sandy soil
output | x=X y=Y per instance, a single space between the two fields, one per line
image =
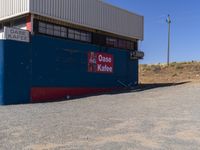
x=176 y=72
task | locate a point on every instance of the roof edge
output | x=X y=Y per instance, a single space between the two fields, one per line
x=94 y=28
x=15 y=15
x=122 y=9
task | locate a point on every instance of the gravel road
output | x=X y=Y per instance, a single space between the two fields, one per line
x=166 y=118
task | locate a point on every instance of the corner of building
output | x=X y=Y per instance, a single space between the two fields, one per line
x=1 y=72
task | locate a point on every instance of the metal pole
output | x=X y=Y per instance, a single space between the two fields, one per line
x=169 y=30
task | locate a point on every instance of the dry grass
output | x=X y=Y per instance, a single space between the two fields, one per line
x=175 y=72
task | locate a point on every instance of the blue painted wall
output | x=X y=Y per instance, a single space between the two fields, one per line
x=1 y=72
x=63 y=63
x=16 y=71
x=52 y=62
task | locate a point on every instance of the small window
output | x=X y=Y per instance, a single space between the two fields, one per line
x=50 y=29
x=122 y=44
x=1 y=27
x=7 y=24
x=63 y=32
x=56 y=30
x=135 y=45
x=42 y=24
x=42 y=28
x=77 y=35
x=116 y=43
x=83 y=36
x=71 y=34
x=111 y=42
x=89 y=37
x=128 y=44
x=86 y=37
x=132 y=45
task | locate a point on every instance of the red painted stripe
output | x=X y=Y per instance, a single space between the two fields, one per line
x=52 y=94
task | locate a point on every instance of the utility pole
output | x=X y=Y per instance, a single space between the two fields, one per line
x=169 y=30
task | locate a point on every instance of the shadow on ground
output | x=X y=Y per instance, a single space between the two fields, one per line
x=139 y=88
x=143 y=87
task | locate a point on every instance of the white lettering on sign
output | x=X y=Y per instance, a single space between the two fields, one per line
x=104 y=68
x=136 y=55
x=104 y=59
x=16 y=34
x=100 y=62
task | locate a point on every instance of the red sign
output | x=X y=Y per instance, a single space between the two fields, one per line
x=100 y=62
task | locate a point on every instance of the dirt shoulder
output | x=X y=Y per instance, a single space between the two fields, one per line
x=174 y=73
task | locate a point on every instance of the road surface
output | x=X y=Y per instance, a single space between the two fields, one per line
x=163 y=118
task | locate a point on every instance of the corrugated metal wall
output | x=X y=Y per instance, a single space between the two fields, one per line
x=93 y=14
x=89 y=13
x=12 y=8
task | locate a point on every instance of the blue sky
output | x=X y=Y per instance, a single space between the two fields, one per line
x=185 y=32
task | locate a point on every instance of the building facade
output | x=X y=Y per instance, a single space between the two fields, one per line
x=57 y=49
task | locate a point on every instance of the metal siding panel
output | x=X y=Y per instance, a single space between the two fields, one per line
x=9 y=8
x=89 y=13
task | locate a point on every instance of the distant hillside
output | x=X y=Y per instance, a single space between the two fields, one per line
x=175 y=72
